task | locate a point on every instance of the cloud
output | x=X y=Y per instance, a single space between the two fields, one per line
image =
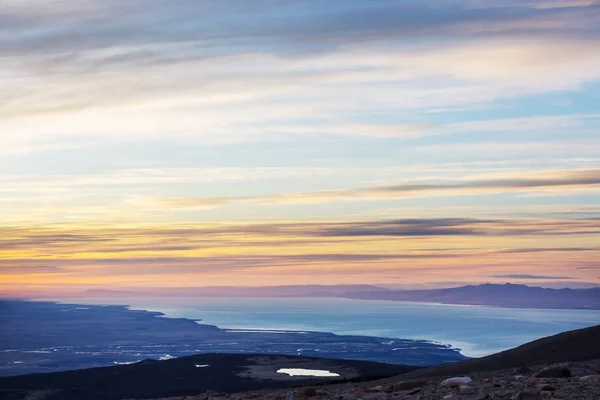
x=128 y=91
x=561 y=179
x=590 y=267
x=180 y=254
x=461 y=227
x=28 y=269
x=525 y=124
x=233 y=22
x=549 y=249
x=169 y=265
x=173 y=238
x=527 y=276
x=41 y=239
x=102 y=73
x=173 y=175
x=558 y=181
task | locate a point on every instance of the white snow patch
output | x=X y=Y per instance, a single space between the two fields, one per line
x=456 y=381
x=263 y=331
x=202 y=365
x=306 y=372
x=126 y=362
x=166 y=357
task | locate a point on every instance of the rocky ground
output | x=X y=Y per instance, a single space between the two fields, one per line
x=577 y=380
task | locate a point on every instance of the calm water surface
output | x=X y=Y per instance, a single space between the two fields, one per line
x=476 y=330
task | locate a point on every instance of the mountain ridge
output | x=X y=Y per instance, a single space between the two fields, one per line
x=507 y=295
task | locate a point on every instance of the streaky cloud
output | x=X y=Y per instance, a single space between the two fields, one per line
x=528 y=276
x=560 y=180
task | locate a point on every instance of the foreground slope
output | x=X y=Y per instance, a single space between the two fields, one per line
x=551 y=367
x=577 y=381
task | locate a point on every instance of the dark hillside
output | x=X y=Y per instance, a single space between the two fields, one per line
x=186 y=376
x=578 y=345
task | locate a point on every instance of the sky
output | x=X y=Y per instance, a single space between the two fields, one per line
x=274 y=142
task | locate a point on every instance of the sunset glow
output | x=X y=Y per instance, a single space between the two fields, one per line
x=190 y=143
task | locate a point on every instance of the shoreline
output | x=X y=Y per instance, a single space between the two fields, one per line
x=81 y=335
x=233 y=313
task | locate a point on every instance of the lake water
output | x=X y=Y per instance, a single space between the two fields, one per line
x=476 y=330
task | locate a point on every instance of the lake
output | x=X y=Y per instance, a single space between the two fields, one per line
x=477 y=330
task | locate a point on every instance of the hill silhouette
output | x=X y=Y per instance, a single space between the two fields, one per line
x=577 y=345
x=187 y=376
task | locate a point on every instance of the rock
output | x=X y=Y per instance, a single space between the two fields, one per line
x=289 y=396
x=547 y=388
x=372 y=396
x=590 y=379
x=408 y=385
x=309 y=392
x=522 y=370
x=554 y=372
x=525 y=395
x=582 y=370
x=483 y=396
x=457 y=381
x=464 y=388
x=594 y=366
x=414 y=391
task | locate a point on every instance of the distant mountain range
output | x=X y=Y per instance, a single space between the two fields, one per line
x=506 y=295
x=245 y=291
